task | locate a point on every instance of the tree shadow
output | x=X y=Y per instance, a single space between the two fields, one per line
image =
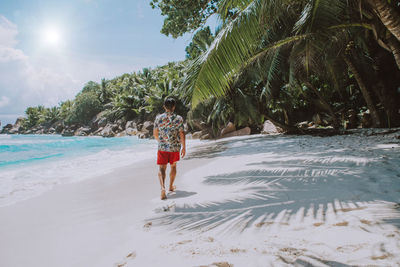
x=304 y=178
x=180 y=194
x=236 y=146
x=314 y=262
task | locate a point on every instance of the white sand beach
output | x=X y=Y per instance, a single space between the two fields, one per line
x=243 y=201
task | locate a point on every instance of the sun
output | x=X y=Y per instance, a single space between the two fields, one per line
x=52 y=36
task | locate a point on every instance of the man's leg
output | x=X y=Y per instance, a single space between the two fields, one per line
x=172 y=176
x=161 y=177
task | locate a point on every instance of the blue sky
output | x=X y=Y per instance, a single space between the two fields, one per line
x=49 y=49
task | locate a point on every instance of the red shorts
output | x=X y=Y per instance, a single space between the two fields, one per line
x=165 y=157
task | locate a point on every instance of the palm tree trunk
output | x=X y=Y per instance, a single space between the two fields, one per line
x=365 y=92
x=395 y=48
x=388 y=15
x=386 y=98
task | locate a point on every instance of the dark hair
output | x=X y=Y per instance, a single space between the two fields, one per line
x=169 y=103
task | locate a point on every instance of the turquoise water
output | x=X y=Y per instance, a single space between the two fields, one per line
x=17 y=150
x=33 y=164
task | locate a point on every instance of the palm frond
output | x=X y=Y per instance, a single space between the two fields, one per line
x=271 y=69
x=212 y=72
x=276 y=45
x=318 y=15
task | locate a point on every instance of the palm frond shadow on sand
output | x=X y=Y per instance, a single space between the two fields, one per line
x=304 y=182
x=180 y=194
x=304 y=263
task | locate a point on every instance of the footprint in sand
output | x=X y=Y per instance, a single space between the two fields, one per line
x=183 y=242
x=350 y=248
x=292 y=251
x=218 y=264
x=222 y=264
x=380 y=257
x=166 y=208
x=365 y=222
x=147 y=226
x=131 y=255
x=237 y=250
x=261 y=224
x=128 y=257
x=341 y=224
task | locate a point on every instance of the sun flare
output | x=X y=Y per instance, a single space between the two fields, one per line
x=52 y=36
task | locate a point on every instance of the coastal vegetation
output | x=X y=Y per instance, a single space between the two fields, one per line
x=299 y=64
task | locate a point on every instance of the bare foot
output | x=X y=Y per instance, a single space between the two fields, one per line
x=172 y=189
x=163 y=195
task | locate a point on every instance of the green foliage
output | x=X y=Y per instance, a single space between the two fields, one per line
x=137 y=96
x=85 y=107
x=200 y=43
x=167 y=82
x=51 y=114
x=33 y=116
x=278 y=45
x=91 y=87
x=280 y=59
x=184 y=15
x=65 y=109
x=213 y=71
x=41 y=115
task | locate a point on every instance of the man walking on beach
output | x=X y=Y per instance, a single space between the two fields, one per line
x=169 y=132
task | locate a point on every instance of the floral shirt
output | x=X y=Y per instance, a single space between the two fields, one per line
x=169 y=125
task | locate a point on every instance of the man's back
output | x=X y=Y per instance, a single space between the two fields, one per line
x=169 y=124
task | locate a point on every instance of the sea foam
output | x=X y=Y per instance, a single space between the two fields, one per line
x=31 y=165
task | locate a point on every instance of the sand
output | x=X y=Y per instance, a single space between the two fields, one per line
x=89 y=223
x=243 y=201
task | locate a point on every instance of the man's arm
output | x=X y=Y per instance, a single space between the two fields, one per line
x=183 y=142
x=155 y=133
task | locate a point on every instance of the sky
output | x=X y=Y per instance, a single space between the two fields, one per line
x=50 y=48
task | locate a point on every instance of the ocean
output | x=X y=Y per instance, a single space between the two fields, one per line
x=33 y=164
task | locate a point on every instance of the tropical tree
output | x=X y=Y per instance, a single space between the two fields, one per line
x=298 y=32
x=85 y=107
x=184 y=15
x=33 y=116
x=200 y=43
x=65 y=109
x=388 y=12
x=51 y=114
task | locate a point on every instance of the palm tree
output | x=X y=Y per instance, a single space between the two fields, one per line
x=33 y=116
x=51 y=114
x=388 y=14
x=261 y=29
x=200 y=43
x=104 y=93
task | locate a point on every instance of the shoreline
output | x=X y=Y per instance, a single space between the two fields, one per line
x=32 y=165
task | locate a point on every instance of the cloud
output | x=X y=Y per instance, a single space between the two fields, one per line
x=22 y=81
x=8 y=54
x=8 y=32
x=46 y=78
